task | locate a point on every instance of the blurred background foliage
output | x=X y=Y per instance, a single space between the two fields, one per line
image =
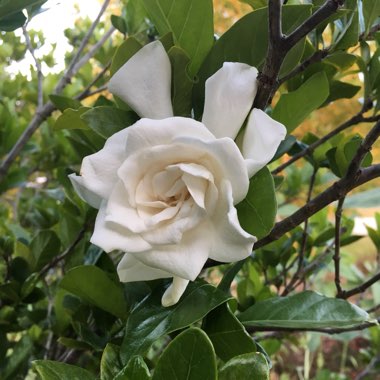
x=45 y=228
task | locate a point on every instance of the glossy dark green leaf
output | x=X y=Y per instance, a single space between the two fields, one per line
x=257 y=211
x=136 y=369
x=106 y=121
x=119 y=23
x=51 y=370
x=229 y=276
x=110 y=364
x=12 y=22
x=189 y=356
x=70 y=119
x=304 y=310
x=182 y=84
x=371 y=11
x=190 y=21
x=246 y=366
x=44 y=246
x=11 y=7
x=63 y=102
x=150 y=321
x=294 y=107
x=247 y=41
x=227 y=334
x=94 y=286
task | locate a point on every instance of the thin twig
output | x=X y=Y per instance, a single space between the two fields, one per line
x=94 y=92
x=301 y=255
x=87 y=89
x=371 y=33
x=70 y=71
x=91 y=52
x=373 y=309
x=63 y=255
x=280 y=45
x=331 y=194
x=29 y=45
x=370 y=369
x=336 y=257
x=334 y=192
x=324 y=12
x=358 y=118
x=361 y=288
x=318 y=56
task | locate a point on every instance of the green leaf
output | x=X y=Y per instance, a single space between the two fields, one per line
x=70 y=119
x=94 y=286
x=150 y=321
x=119 y=24
x=305 y=310
x=227 y=334
x=341 y=156
x=371 y=11
x=63 y=102
x=190 y=21
x=341 y=90
x=229 y=276
x=12 y=22
x=136 y=17
x=22 y=350
x=294 y=107
x=257 y=211
x=136 y=369
x=182 y=84
x=246 y=366
x=51 y=370
x=189 y=356
x=247 y=42
x=44 y=246
x=110 y=364
x=123 y=53
x=341 y=60
x=350 y=34
x=8 y=7
x=106 y=121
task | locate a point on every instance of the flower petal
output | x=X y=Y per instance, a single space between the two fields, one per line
x=174 y=292
x=147 y=133
x=261 y=140
x=231 y=242
x=185 y=259
x=223 y=158
x=87 y=195
x=130 y=269
x=110 y=236
x=99 y=170
x=144 y=82
x=229 y=97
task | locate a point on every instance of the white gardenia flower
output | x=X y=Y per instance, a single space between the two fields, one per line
x=166 y=186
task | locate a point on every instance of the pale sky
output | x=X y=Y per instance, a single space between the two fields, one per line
x=59 y=16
